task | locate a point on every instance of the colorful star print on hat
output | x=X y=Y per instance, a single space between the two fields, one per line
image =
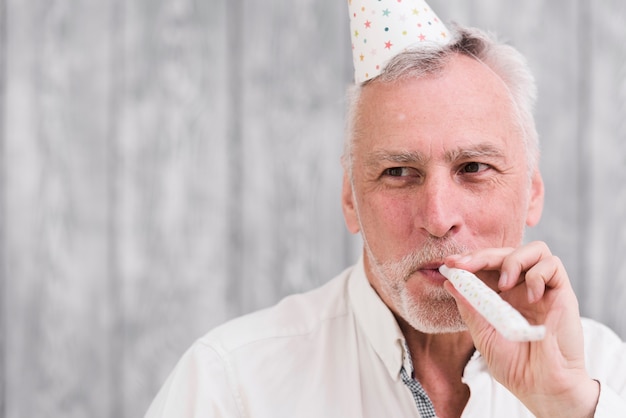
x=380 y=29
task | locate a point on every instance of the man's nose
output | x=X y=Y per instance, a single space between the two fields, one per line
x=439 y=206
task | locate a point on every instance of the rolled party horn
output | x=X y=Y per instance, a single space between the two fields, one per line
x=498 y=312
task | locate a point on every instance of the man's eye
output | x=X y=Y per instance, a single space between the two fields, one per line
x=397 y=172
x=474 y=167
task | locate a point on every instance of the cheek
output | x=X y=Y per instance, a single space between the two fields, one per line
x=485 y=222
x=500 y=219
x=388 y=216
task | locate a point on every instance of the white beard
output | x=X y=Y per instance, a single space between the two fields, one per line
x=434 y=311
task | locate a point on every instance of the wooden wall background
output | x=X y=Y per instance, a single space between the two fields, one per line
x=168 y=164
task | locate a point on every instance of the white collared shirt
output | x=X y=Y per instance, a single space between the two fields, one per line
x=337 y=351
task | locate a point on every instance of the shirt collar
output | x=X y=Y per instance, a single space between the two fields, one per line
x=377 y=321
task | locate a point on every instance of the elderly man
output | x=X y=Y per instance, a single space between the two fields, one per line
x=440 y=168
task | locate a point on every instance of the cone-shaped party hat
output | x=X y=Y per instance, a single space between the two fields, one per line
x=380 y=29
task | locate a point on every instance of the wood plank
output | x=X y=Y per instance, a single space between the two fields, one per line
x=56 y=117
x=171 y=181
x=605 y=164
x=3 y=242
x=116 y=320
x=295 y=75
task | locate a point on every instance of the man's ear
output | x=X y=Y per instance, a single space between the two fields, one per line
x=535 y=203
x=349 y=205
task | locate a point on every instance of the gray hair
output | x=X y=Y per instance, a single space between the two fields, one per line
x=504 y=60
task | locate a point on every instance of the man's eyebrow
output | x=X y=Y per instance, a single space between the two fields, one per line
x=374 y=158
x=474 y=152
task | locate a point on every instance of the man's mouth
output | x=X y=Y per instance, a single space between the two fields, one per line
x=430 y=270
x=430 y=266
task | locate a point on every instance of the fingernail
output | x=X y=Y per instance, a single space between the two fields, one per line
x=504 y=280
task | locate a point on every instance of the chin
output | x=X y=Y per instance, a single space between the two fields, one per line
x=437 y=327
x=435 y=313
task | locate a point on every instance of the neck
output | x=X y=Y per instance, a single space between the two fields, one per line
x=439 y=361
x=446 y=351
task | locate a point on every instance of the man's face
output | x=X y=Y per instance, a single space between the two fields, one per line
x=439 y=167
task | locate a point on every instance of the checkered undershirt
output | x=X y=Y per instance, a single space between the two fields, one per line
x=424 y=404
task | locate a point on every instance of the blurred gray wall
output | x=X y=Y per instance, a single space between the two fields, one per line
x=167 y=165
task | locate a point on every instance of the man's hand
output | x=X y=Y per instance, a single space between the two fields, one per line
x=548 y=376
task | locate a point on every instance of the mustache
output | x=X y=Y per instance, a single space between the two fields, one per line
x=433 y=251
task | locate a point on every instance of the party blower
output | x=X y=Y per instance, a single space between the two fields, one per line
x=498 y=312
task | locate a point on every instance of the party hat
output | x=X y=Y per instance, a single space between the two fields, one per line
x=380 y=29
